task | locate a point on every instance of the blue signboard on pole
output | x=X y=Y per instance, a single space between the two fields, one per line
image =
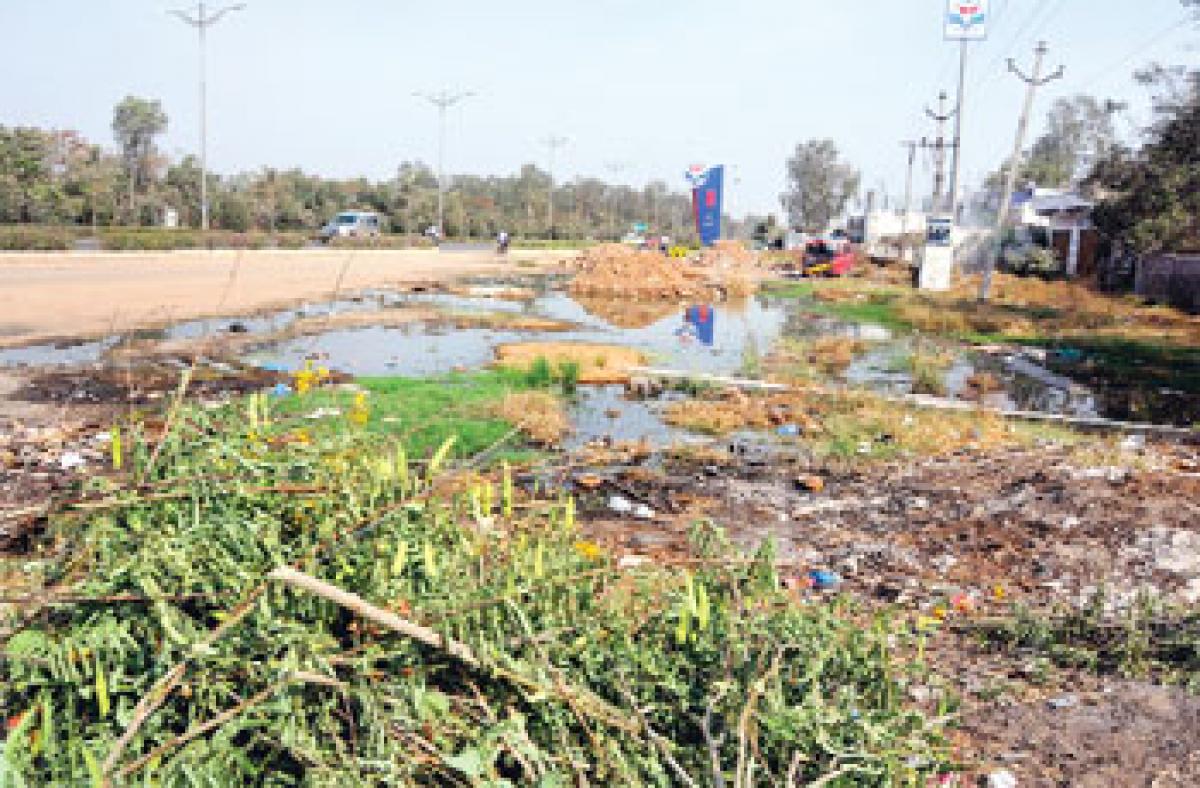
x=707 y=198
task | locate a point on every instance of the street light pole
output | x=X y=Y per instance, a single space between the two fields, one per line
x=202 y=21
x=443 y=100
x=616 y=168
x=553 y=143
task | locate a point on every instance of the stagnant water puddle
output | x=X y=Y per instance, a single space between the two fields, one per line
x=720 y=339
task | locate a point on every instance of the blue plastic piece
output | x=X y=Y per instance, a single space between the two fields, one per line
x=823 y=581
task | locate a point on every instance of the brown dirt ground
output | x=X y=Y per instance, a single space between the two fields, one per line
x=52 y=296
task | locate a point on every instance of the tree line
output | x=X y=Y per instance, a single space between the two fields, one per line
x=59 y=177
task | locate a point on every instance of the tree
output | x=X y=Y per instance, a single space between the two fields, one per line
x=1078 y=129
x=819 y=185
x=1153 y=197
x=136 y=122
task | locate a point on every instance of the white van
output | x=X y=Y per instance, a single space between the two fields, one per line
x=352 y=224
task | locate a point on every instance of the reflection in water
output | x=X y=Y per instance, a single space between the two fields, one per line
x=698 y=324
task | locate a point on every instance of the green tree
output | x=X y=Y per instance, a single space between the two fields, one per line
x=1078 y=128
x=818 y=185
x=136 y=122
x=1153 y=194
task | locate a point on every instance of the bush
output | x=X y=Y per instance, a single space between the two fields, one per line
x=34 y=238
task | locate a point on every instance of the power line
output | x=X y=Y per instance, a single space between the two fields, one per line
x=1013 y=41
x=1140 y=48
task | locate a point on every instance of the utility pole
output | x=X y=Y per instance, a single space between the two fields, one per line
x=912 y=157
x=443 y=100
x=202 y=21
x=1032 y=83
x=956 y=167
x=552 y=143
x=939 y=148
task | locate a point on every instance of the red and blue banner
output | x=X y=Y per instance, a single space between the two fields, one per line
x=707 y=199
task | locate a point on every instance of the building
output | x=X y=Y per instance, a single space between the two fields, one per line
x=1065 y=219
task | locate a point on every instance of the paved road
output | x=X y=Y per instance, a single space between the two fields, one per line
x=68 y=295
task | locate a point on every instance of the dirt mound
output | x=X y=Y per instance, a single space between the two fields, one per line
x=616 y=270
x=613 y=270
x=728 y=253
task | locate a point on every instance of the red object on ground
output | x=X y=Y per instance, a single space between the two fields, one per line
x=841 y=264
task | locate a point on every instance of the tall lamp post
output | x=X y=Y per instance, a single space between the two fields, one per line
x=552 y=143
x=202 y=20
x=616 y=168
x=443 y=100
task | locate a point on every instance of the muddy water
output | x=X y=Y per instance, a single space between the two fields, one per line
x=723 y=339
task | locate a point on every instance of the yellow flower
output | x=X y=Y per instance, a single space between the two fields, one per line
x=589 y=550
x=359 y=411
x=926 y=622
x=939 y=612
x=998 y=593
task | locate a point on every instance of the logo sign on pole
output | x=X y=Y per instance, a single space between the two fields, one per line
x=696 y=174
x=966 y=20
x=707 y=199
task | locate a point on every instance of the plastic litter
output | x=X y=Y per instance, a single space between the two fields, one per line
x=823 y=580
x=620 y=505
x=643 y=512
x=1002 y=779
x=281 y=390
x=71 y=460
x=788 y=430
x=1063 y=702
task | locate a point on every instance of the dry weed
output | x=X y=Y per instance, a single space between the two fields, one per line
x=538 y=414
x=598 y=364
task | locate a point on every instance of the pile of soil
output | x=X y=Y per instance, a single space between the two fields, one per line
x=616 y=270
x=727 y=254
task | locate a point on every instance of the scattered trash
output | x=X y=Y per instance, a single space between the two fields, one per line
x=788 y=430
x=620 y=505
x=810 y=483
x=1135 y=442
x=281 y=390
x=1063 y=702
x=632 y=561
x=324 y=413
x=643 y=512
x=824 y=581
x=1002 y=779
x=71 y=460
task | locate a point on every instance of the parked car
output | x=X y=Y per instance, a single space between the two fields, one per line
x=352 y=224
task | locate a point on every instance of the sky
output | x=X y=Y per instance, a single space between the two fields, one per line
x=642 y=88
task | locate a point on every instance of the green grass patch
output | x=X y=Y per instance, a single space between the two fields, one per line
x=878 y=305
x=424 y=412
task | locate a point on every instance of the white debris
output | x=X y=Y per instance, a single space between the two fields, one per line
x=71 y=460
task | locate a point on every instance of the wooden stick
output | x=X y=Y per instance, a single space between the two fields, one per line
x=384 y=618
x=595 y=705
